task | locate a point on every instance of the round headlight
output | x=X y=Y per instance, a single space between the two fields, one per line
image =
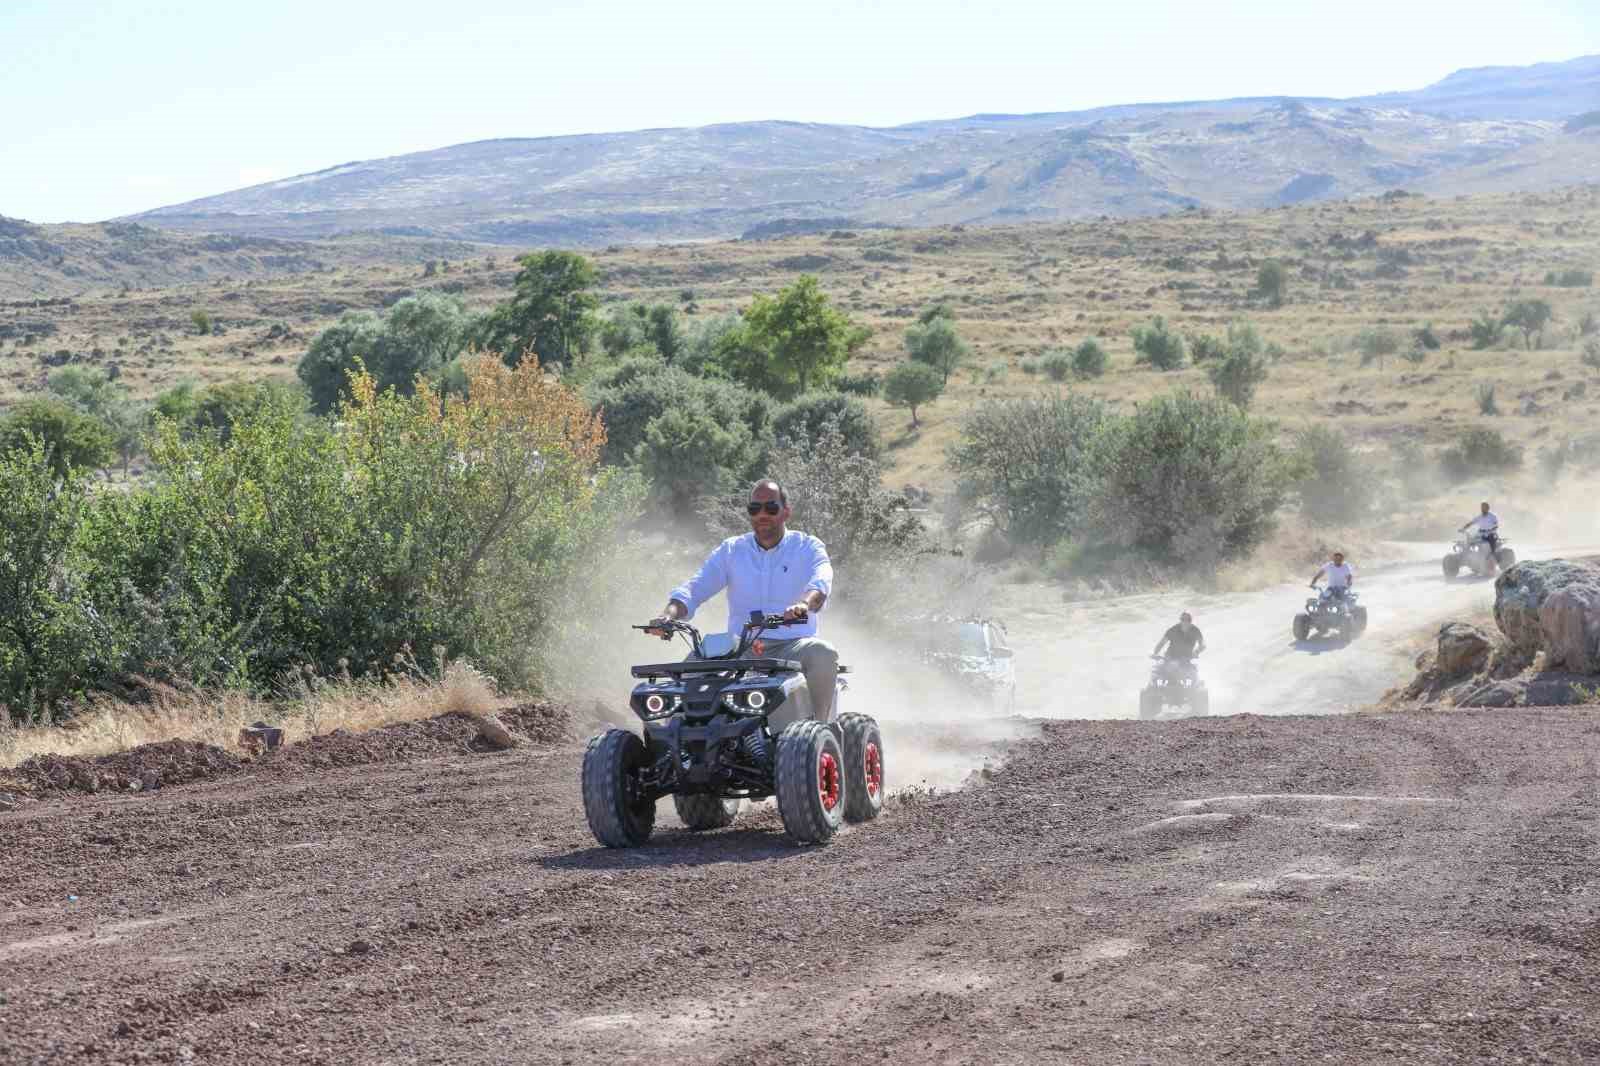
x=756 y=700
x=654 y=703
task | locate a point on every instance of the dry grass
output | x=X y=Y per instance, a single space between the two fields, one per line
x=309 y=707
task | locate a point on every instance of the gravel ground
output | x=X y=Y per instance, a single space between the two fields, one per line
x=1412 y=887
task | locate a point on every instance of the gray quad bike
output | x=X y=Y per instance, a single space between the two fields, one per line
x=1473 y=553
x=725 y=726
x=1331 y=614
x=1174 y=683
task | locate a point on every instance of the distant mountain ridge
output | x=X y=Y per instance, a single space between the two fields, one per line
x=724 y=180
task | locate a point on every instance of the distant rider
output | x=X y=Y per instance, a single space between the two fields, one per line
x=774 y=570
x=1341 y=576
x=1183 y=641
x=1487 y=525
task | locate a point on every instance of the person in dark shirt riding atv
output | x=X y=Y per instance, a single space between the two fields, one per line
x=1183 y=641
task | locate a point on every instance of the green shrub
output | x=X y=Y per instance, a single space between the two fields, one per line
x=1190 y=480
x=1426 y=338
x=1531 y=317
x=415 y=338
x=1158 y=345
x=1485 y=395
x=1477 y=451
x=806 y=420
x=1376 y=345
x=1089 y=360
x=1029 y=465
x=1486 y=330
x=912 y=385
x=71 y=439
x=202 y=322
x=1334 y=484
x=1206 y=346
x=1272 y=282
x=1239 y=372
x=1570 y=278
x=1030 y=367
x=867 y=383
x=1056 y=364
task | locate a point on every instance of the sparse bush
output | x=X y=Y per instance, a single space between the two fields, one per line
x=71 y=439
x=1205 y=346
x=1190 y=480
x=1238 y=373
x=1029 y=466
x=1089 y=360
x=1376 y=345
x=1588 y=325
x=1158 y=345
x=1335 y=486
x=1485 y=395
x=202 y=322
x=1056 y=364
x=937 y=344
x=1570 y=278
x=1272 y=281
x=866 y=383
x=1591 y=353
x=912 y=385
x=1426 y=338
x=1486 y=330
x=1030 y=367
x=936 y=312
x=1416 y=355
x=1477 y=451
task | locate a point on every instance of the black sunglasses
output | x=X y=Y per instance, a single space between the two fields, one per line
x=755 y=507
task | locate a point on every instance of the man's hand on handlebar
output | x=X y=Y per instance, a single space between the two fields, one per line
x=797 y=612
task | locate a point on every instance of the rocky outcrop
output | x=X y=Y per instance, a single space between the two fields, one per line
x=1463 y=649
x=1570 y=618
x=1520 y=594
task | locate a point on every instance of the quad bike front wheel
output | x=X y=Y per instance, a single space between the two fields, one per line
x=1149 y=702
x=703 y=812
x=619 y=814
x=863 y=767
x=1452 y=567
x=811 y=781
x=1302 y=627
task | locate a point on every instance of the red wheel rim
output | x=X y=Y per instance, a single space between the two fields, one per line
x=874 y=770
x=828 y=780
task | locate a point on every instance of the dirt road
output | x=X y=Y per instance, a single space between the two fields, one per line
x=1399 y=888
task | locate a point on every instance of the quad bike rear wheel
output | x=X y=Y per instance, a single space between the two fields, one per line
x=1302 y=627
x=863 y=767
x=619 y=815
x=1452 y=567
x=1149 y=702
x=1506 y=558
x=703 y=812
x=811 y=781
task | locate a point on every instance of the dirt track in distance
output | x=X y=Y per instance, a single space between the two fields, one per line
x=1398 y=888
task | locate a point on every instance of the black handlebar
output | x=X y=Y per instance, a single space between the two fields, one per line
x=758 y=624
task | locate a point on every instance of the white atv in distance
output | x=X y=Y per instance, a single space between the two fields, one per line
x=1473 y=552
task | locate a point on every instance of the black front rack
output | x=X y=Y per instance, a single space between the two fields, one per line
x=715 y=666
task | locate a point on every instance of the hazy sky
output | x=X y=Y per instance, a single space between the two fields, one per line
x=108 y=108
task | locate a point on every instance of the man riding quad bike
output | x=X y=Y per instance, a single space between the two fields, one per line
x=1335 y=609
x=747 y=719
x=1175 y=678
x=1481 y=550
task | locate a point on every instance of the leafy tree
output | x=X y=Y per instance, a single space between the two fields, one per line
x=1190 y=480
x=937 y=344
x=418 y=336
x=1089 y=360
x=1238 y=373
x=637 y=325
x=551 y=312
x=701 y=341
x=1158 y=345
x=202 y=322
x=791 y=342
x=807 y=419
x=1335 y=486
x=912 y=385
x=1030 y=465
x=71 y=439
x=1531 y=317
x=1272 y=281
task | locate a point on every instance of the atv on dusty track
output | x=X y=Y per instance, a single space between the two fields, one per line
x=1174 y=683
x=723 y=727
x=1474 y=553
x=1332 y=612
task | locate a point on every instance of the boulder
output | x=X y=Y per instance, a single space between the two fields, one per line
x=1463 y=649
x=1520 y=594
x=1570 y=618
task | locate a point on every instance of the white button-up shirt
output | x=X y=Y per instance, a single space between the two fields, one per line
x=1485 y=523
x=1339 y=575
x=769 y=580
